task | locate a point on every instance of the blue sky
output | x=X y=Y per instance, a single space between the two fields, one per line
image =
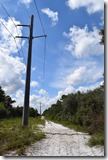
x=74 y=58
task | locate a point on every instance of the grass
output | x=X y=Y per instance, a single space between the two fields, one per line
x=14 y=137
x=96 y=139
x=75 y=127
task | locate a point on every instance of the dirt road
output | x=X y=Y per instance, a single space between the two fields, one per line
x=61 y=141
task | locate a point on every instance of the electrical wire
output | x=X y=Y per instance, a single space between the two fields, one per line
x=44 y=66
x=12 y=36
x=39 y=17
x=16 y=30
x=7 y=13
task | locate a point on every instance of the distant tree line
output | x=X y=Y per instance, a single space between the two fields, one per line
x=84 y=109
x=7 y=110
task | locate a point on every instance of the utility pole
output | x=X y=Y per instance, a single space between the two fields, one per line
x=28 y=75
x=28 y=72
x=40 y=108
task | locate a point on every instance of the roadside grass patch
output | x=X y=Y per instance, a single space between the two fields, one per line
x=75 y=127
x=96 y=139
x=14 y=137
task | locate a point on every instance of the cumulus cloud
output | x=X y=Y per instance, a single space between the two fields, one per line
x=26 y=2
x=91 y=87
x=42 y=92
x=11 y=67
x=19 y=98
x=34 y=84
x=83 y=42
x=91 y=6
x=7 y=42
x=51 y=14
x=76 y=77
x=86 y=74
x=83 y=75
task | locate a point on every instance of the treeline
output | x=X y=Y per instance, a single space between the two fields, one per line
x=83 y=109
x=7 y=110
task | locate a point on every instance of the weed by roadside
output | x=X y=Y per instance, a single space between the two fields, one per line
x=96 y=139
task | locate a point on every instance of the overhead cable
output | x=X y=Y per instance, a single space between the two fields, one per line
x=39 y=17
x=16 y=30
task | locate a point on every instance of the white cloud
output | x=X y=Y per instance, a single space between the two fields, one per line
x=26 y=2
x=102 y=20
x=35 y=101
x=19 y=98
x=11 y=68
x=83 y=42
x=34 y=84
x=91 y=87
x=42 y=92
x=7 y=42
x=51 y=14
x=76 y=77
x=84 y=74
x=91 y=6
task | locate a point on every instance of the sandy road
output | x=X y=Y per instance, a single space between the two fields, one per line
x=61 y=141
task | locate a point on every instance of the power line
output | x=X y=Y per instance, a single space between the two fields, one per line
x=12 y=36
x=39 y=17
x=44 y=66
x=16 y=30
x=7 y=13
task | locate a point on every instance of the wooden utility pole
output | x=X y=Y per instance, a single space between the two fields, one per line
x=28 y=72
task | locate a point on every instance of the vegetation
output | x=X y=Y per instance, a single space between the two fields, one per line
x=81 y=111
x=97 y=139
x=101 y=32
x=14 y=137
x=8 y=111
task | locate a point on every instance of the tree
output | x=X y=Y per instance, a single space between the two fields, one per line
x=33 y=112
x=2 y=95
x=8 y=102
x=101 y=32
x=70 y=104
